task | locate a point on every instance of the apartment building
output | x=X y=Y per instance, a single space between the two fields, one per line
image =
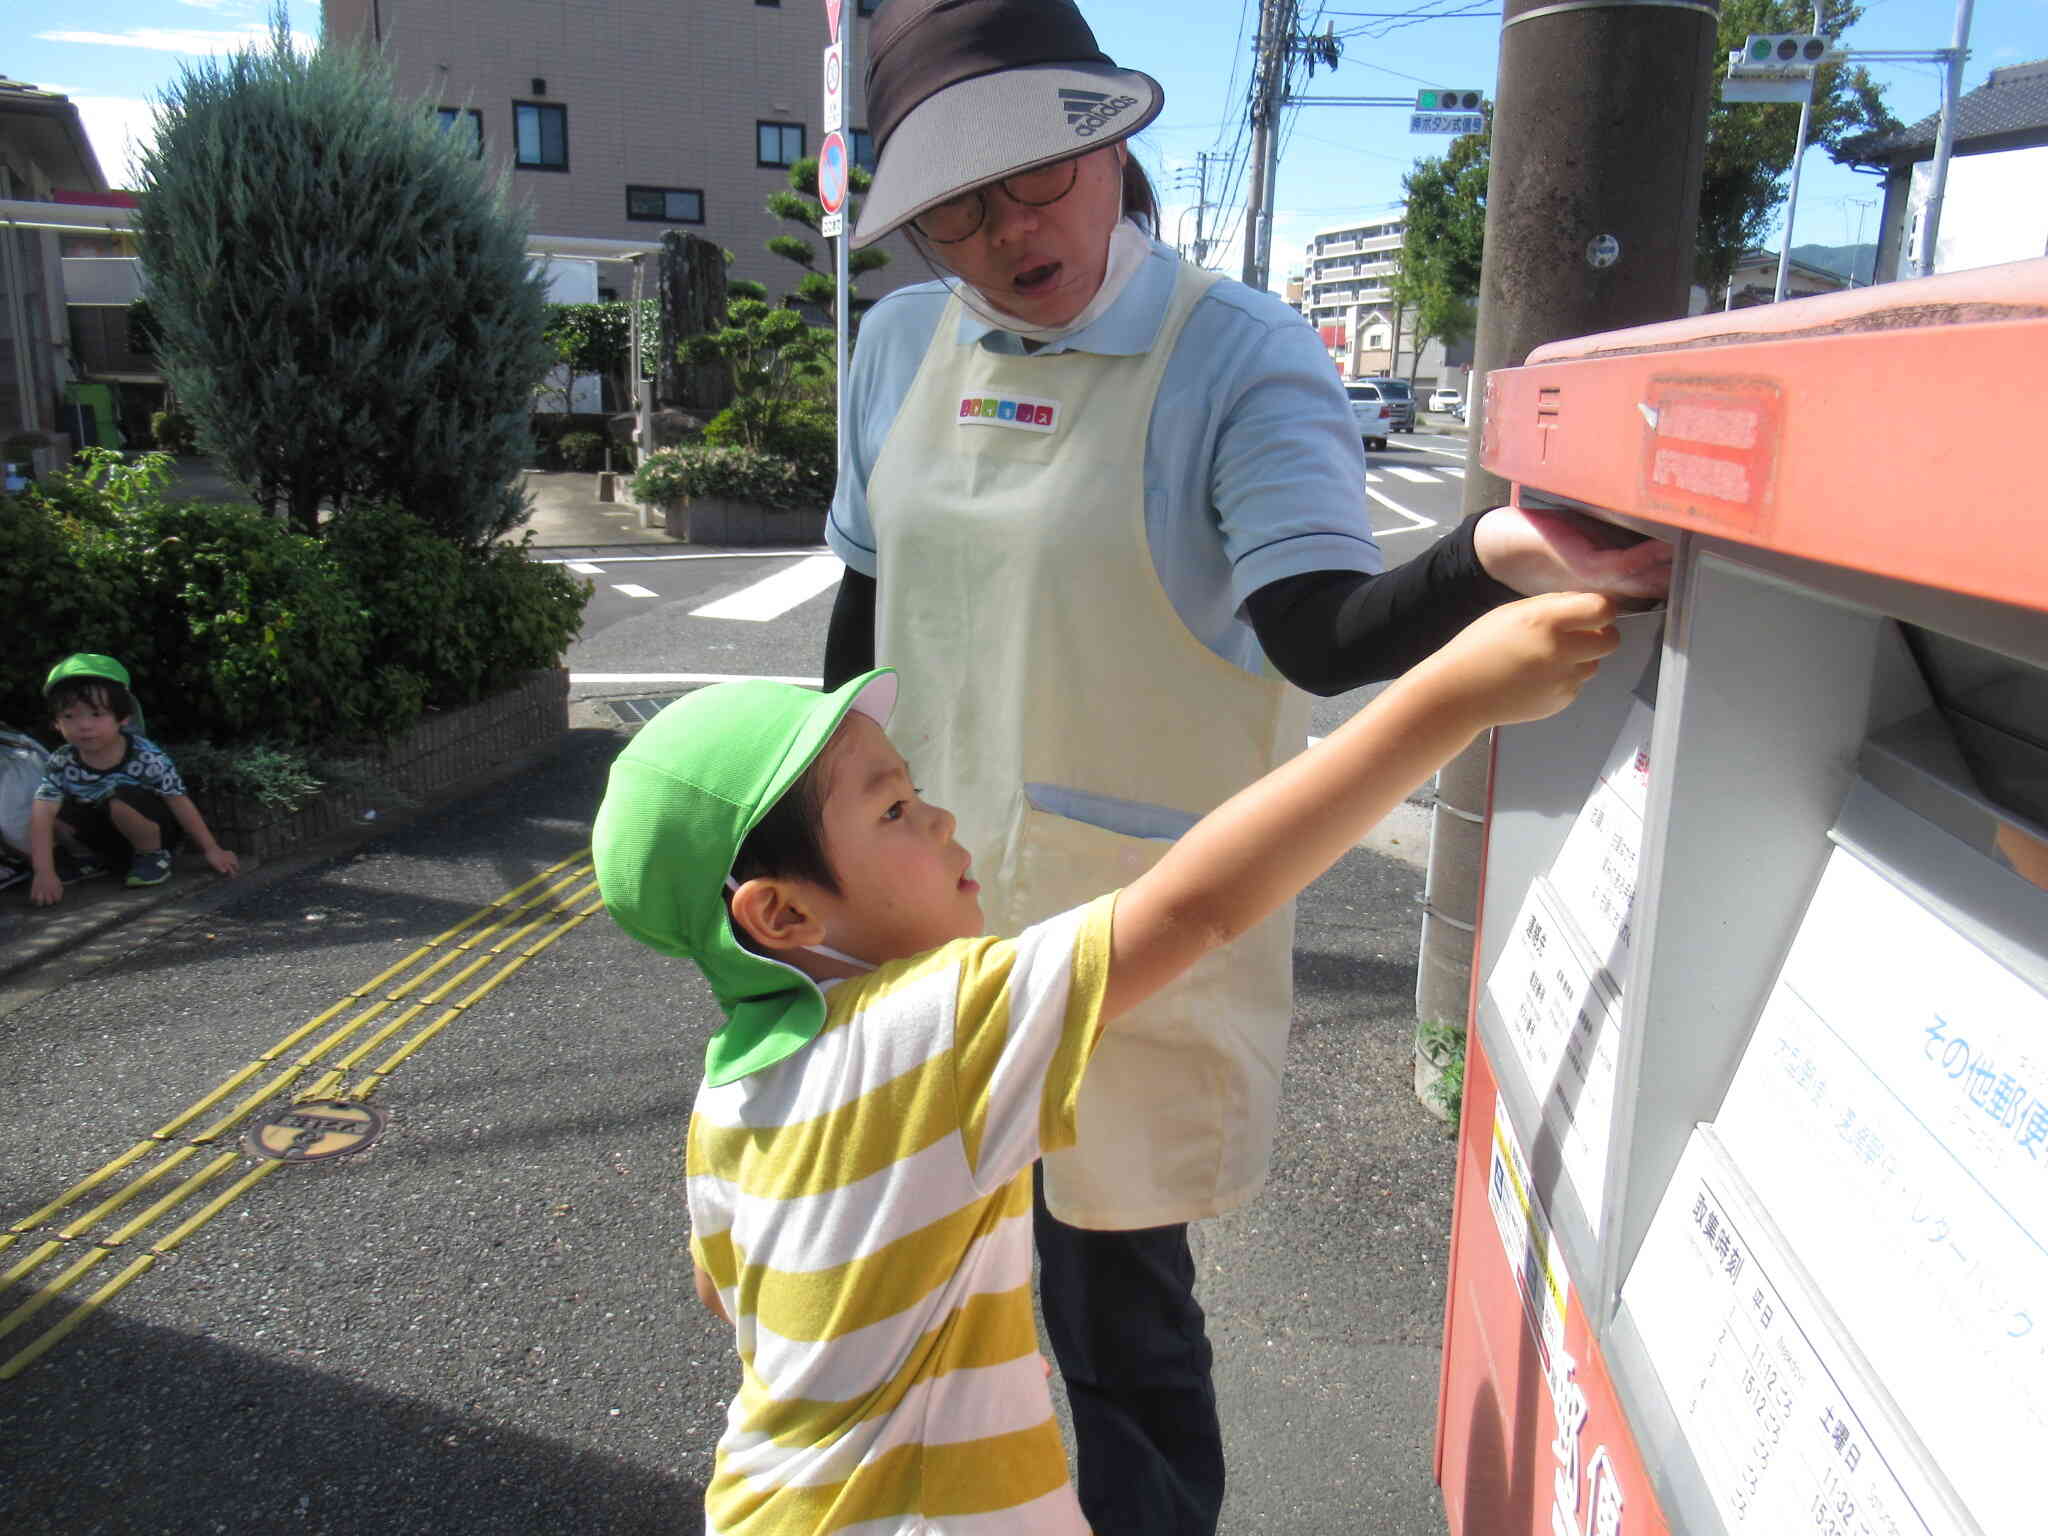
x=1347 y=294
x=43 y=150
x=623 y=119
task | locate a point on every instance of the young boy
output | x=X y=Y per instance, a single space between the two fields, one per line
x=859 y=1154
x=110 y=795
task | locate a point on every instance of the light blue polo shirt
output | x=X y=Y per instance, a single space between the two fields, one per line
x=1254 y=469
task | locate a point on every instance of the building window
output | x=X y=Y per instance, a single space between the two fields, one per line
x=468 y=122
x=778 y=143
x=864 y=150
x=540 y=136
x=665 y=205
x=775 y=4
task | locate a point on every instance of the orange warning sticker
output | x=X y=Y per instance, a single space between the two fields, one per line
x=1710 y=451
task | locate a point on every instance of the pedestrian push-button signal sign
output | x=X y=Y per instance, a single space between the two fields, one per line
x=1454 y=112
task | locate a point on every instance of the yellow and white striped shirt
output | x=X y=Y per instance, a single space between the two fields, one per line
x=864 y=1208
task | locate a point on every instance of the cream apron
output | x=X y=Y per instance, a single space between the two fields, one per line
x=1037 y=648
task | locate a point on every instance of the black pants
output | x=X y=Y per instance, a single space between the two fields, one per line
x=92 y=823
x=1128 y=1335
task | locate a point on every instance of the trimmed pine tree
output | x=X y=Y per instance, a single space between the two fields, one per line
x=343 y=298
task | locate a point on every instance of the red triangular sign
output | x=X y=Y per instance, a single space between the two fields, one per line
x=832 y=18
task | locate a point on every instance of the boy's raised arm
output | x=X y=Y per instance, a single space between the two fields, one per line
x=1259 y=848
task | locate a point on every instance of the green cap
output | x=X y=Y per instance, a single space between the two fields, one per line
x=92 y=664
x=680 y=800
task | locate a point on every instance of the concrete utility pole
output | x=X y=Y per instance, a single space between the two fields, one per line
x=1269 y=84
x=1592 y=210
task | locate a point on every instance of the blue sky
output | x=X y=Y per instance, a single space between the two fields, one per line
x=111 y=56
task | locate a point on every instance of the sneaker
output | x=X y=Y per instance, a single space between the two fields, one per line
x=12 y=873
x=72 y=867
x=152 y=868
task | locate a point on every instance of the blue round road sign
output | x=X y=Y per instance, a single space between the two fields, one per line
x=832 y=173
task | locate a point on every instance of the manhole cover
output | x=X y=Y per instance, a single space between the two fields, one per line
x=315 y=1129
x=639 y=711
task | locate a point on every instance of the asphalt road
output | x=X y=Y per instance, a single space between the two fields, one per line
x=485 y=1322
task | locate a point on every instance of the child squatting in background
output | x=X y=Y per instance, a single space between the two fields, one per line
x=110 y=796
x=859 y=1153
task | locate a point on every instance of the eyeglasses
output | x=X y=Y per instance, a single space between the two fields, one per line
x=956 y=218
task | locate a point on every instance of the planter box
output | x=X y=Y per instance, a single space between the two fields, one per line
x=443 y=748
x=716 y=520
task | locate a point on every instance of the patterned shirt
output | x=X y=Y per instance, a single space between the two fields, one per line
x=864 y=1208
x=145 y=766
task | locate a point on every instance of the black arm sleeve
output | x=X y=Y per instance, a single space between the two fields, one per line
x=850 y=638
x=1328 y=631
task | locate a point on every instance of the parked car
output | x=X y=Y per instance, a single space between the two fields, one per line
x=1446 y=400
x=1372 y=412
x=1400 y=401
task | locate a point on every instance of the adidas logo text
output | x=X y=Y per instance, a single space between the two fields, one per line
x=1090 y=111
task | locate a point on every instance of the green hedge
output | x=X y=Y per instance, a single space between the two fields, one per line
x=239 y=630
x=738 y=474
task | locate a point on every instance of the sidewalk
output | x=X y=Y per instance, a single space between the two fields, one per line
x=485 y=1324
x=568 y=515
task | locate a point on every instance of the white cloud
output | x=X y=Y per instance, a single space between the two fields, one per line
x=189 y=40
x=119 y=127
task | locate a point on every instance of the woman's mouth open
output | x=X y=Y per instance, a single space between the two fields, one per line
x=1034 y=282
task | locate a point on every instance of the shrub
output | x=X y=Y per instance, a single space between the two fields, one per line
x=172 y=432
x=343 y=298
x=453 y=625
x=582 y=450
x=249 y=629
x=738 y=474
x=52 y=600
x=241 y=630
x=804 y=434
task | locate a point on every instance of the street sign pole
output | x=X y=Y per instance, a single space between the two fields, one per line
x=842 y=68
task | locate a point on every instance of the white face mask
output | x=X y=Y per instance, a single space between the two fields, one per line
x=826 y=951
x=1129 y=245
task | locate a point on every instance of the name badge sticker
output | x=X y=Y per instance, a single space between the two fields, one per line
x=1009 y=411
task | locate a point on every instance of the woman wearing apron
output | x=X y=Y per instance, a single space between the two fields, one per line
x=1105 y=513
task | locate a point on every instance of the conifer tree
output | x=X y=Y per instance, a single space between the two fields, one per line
x=342 y=294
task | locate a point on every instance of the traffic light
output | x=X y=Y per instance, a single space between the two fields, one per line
x=1449 y=101
x=1779 y=53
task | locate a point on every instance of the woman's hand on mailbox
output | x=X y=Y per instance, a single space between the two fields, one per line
x=1536 y=552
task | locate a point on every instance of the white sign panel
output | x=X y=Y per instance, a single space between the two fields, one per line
x=1559 y=978
x=831 y=225
x=1446 y=122
x=1525 y=1235
x=835 y=94
x=1563 y=1019
x=1595 y=870
x=1891 y=1111
x=1786 y=1431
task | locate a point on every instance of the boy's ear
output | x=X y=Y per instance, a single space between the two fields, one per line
x=777 y=914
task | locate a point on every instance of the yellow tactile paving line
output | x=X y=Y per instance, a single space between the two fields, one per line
x=502 y=934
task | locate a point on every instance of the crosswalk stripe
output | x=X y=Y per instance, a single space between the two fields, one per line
x=1416 y=521
x=1455 y=474
x=1373 y=477
x=630 y=590
x=1411 y=474
x=584 y=568
x=775 y=595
